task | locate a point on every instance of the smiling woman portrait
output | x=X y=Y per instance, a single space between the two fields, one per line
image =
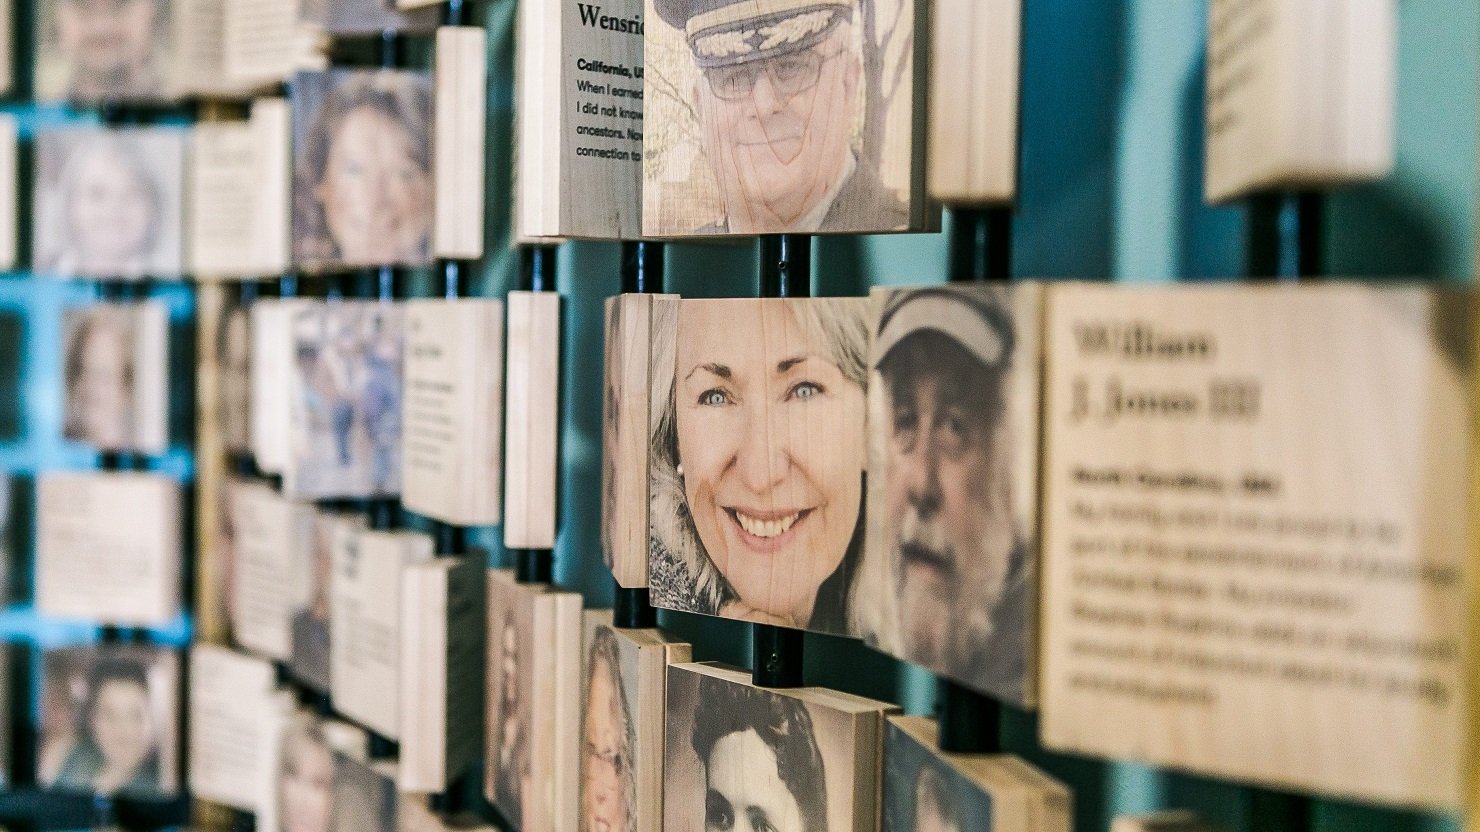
x=758 y=460
x=362 y=186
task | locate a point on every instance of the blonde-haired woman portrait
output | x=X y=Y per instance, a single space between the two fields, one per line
x=108 y=202
x=362 y=187
x=758 y=459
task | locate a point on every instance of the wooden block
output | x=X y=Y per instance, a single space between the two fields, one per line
x=231 y=711
x=271 y=411
x=579 y=120
x=626 y=406
x=336 y=114
x=534 y=703
x=1258 y=534
x=809 y=756
x=345 y=388
x=838 y=148
x=136 y=230
x=1300 y=94
x=143 y=684
x=115 y=371
x=451 y=444
x=134 y=65
x=1175 y=820
x=311 y=583
x=460 y=84
x=229 y=177
x=365 y=625
x=444 y=630
x=321 y=771
x=274 y=537
x=950 y=575
x=624 y=682
x=531 y=420
x=757 y=472
x=927 y=789
x=975 y=50
x=265 y=43
x=9 y=166
x=108 y=547
x=367 y=17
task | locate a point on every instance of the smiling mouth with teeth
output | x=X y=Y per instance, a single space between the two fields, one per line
x=766 y=528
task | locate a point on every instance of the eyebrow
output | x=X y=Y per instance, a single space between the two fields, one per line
x=757 y=817
x=787 y=363
x=717 y=369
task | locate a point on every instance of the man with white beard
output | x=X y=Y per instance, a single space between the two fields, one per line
x=958 y=556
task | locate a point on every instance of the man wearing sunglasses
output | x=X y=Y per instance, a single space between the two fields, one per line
x=779 y=99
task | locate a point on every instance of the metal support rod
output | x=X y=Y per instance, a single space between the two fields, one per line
x=981 y=252
x=1286 y=242
x=785 y=271
x=642 y=273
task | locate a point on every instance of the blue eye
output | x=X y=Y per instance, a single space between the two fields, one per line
x=714 y=397
x=804 y=390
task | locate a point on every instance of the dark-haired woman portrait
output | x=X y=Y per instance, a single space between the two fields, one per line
x=117 y=746
x=763 y=770
x=363 y=184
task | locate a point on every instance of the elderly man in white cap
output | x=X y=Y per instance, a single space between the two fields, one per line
x=958 y=555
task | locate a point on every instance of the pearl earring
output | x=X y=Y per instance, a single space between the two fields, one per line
x=680 y=469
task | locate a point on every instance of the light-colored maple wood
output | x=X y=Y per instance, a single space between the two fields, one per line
x=975 y=50
x=625 y=415
x=844 y=155
x=1259 y=532
x=578 y=121
x=845 y=733
x=108 y=547
x=1301 y=94
x=460 y=88
x=531 y=419
x=231 y=697
x=451 y=439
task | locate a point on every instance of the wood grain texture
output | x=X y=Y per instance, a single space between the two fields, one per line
x=845 y=154
x=625 y=441
x=832 y=745
x=460 y=79
x=1301 y=95
x=924 y=786
x=451 y=439
x=1259 y=534
x=973 y=119
x=531 y=419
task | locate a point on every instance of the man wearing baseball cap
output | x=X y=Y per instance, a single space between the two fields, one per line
x=956 y=550
x=778 y=99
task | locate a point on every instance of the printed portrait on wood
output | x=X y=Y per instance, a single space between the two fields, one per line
x=108 y=202
x=97 y=51
x=923 y=793
x=319 y=787
x=949 y=580
x=785 y=116
x=113 y=371
x=362 y=177
x=511 y=687
x=108 y=720
x=757 y=468
x=608 y=733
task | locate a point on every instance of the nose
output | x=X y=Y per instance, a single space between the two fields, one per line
x=760 y=458
x=921 y=473
x=767 y=98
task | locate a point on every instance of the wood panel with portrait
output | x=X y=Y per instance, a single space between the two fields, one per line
x=109 y=717
x=114 y=371
x=794 y=760
x=362 y=176
x=108 y=202
x=949 y=576
x=310 y=583
x=622 y=724
x=928 y=790
x=345 y=390
x=757 y=460
x=631 y=320
x=93 y=53
x=534 y=703
x=366 y=17
x=323 y=783
x=789 y=116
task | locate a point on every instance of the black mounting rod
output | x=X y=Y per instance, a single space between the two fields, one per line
x=785 y=272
